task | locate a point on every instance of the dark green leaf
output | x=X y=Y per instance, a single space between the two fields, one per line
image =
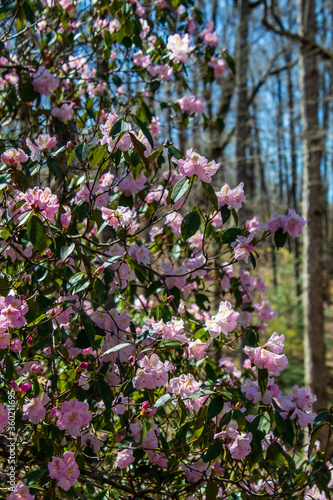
x=36 y=231
x=179 y=190
x=280 y=238
x=28 y=93
x=9 y=367
x=190 y=225
x=54 y=166
x=162 y=400
x=144 y=129
x=66 y=251
x=225 y=213
x=253 y=260
x=32 y=477
x=210 y=193
x=119 y=127
x=219 y=125
x=212 y=490
x=100 y=290
x=88 y=326
x=105 y=392
x=213 y=451
x=82 y=152
x=262 y=380
x=215 y=407
x=43 y=302
x=4 y=179
x=230 y=235
x=98 y=155
x=251 y=338
x=175 y=152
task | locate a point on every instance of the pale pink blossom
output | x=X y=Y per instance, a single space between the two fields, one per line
x=124 y=458
x=152 y=373
x=155 y=126
x=233 y=198
x=179 y=47
x=12 y=311
x=40 y=201
x=14 y=157
x=197 y=471
x=65 y=470
x=225 y=320
x=73 y=416
x=241 y=447
x=192 y=105
x=35 y=410
x=64 y=113
x=243 y=247
x=141 y=60
x=218 y=66
x=198 y=165
x=16 y=345
x=121 y=216
x=294 y=224
x=89 y=439
x=43 y=143
x=66 y=218
x=44 y=82
x=21 y=492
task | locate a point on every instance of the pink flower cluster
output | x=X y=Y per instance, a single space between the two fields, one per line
x=64 y=113
x=233 y=198
x=209 y=36
x=225 y=321
x=180 y=47
x=121 y=216
x=252 y=392
x=43 y=143
x=195 y=164
x=124 y=458
x=185 y=386
x=297 y=404
x=35 y=410
x=14 y=157
x=238 y=443
x=37 y=200
x=152 y=373
x=243 y=247
x=21 y=492
x=65 y=470
x=73 y=416
x=292 y=223
x=44 y=82
x=218 y=66
x=192 y=105
x=12 y=313
x=269 y=355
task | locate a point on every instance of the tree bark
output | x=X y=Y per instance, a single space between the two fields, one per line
x=314 y=346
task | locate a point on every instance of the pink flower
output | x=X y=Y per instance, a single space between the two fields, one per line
x=180 y=47
x=225 y=320
x=197 y=349
x=219 y=67
x=124 y=459
x=155 y=126
x=3 y=417
x=139 y=59
x=73 y=416
x=209 y=36
x=192 y=105
x=90 y=440
x=4 y=340
x=21 y=492
x=65 y=470
x=241 y=447
x=43 y=82
x=35 y=411
x=233 y=198
x=199 y=470
x=122 y=216
x=152 y=373
x=40 y=201
x=43 y=143
x=264 y=358
x=294 y=224
x=13 y=157
x=64 y=113
x=66 y=218
x=16 y=345
x=243 y=247
x=198 y=165
x=12 y=311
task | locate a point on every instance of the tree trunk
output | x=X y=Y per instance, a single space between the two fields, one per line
x=314 y=346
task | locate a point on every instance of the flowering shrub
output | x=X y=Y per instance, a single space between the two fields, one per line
x=117 y=294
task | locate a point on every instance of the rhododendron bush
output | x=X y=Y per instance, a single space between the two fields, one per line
x=119 y=290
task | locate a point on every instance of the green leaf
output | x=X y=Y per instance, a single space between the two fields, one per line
x=251 y=338
x=66 y=251
x=162 y=400
x=105 y=392
x=43 y=302
x=179 y=190
x=253 y=260
x=98 y=155
x=212 y=490
x=213 y=451
x=280 y=238
x=100 y=290
x=219 y=125
x=82 y=152
x=225 y=213
x=262 y=380
x=66 y=380
x=54 y=166
x=28 y=93
x=230 y=235
x=88 y=326
x=4 y=179
x=119 y=127
x=34 y=476
x=215 y=407
x=9 y=367
x=231 y=63
x=190 y=224
x=210 y=193
x=116 y=348
x=175 y=152
x=144 y=129
x=36 y=231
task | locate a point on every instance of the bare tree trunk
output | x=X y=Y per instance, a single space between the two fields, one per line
x=314 y=346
